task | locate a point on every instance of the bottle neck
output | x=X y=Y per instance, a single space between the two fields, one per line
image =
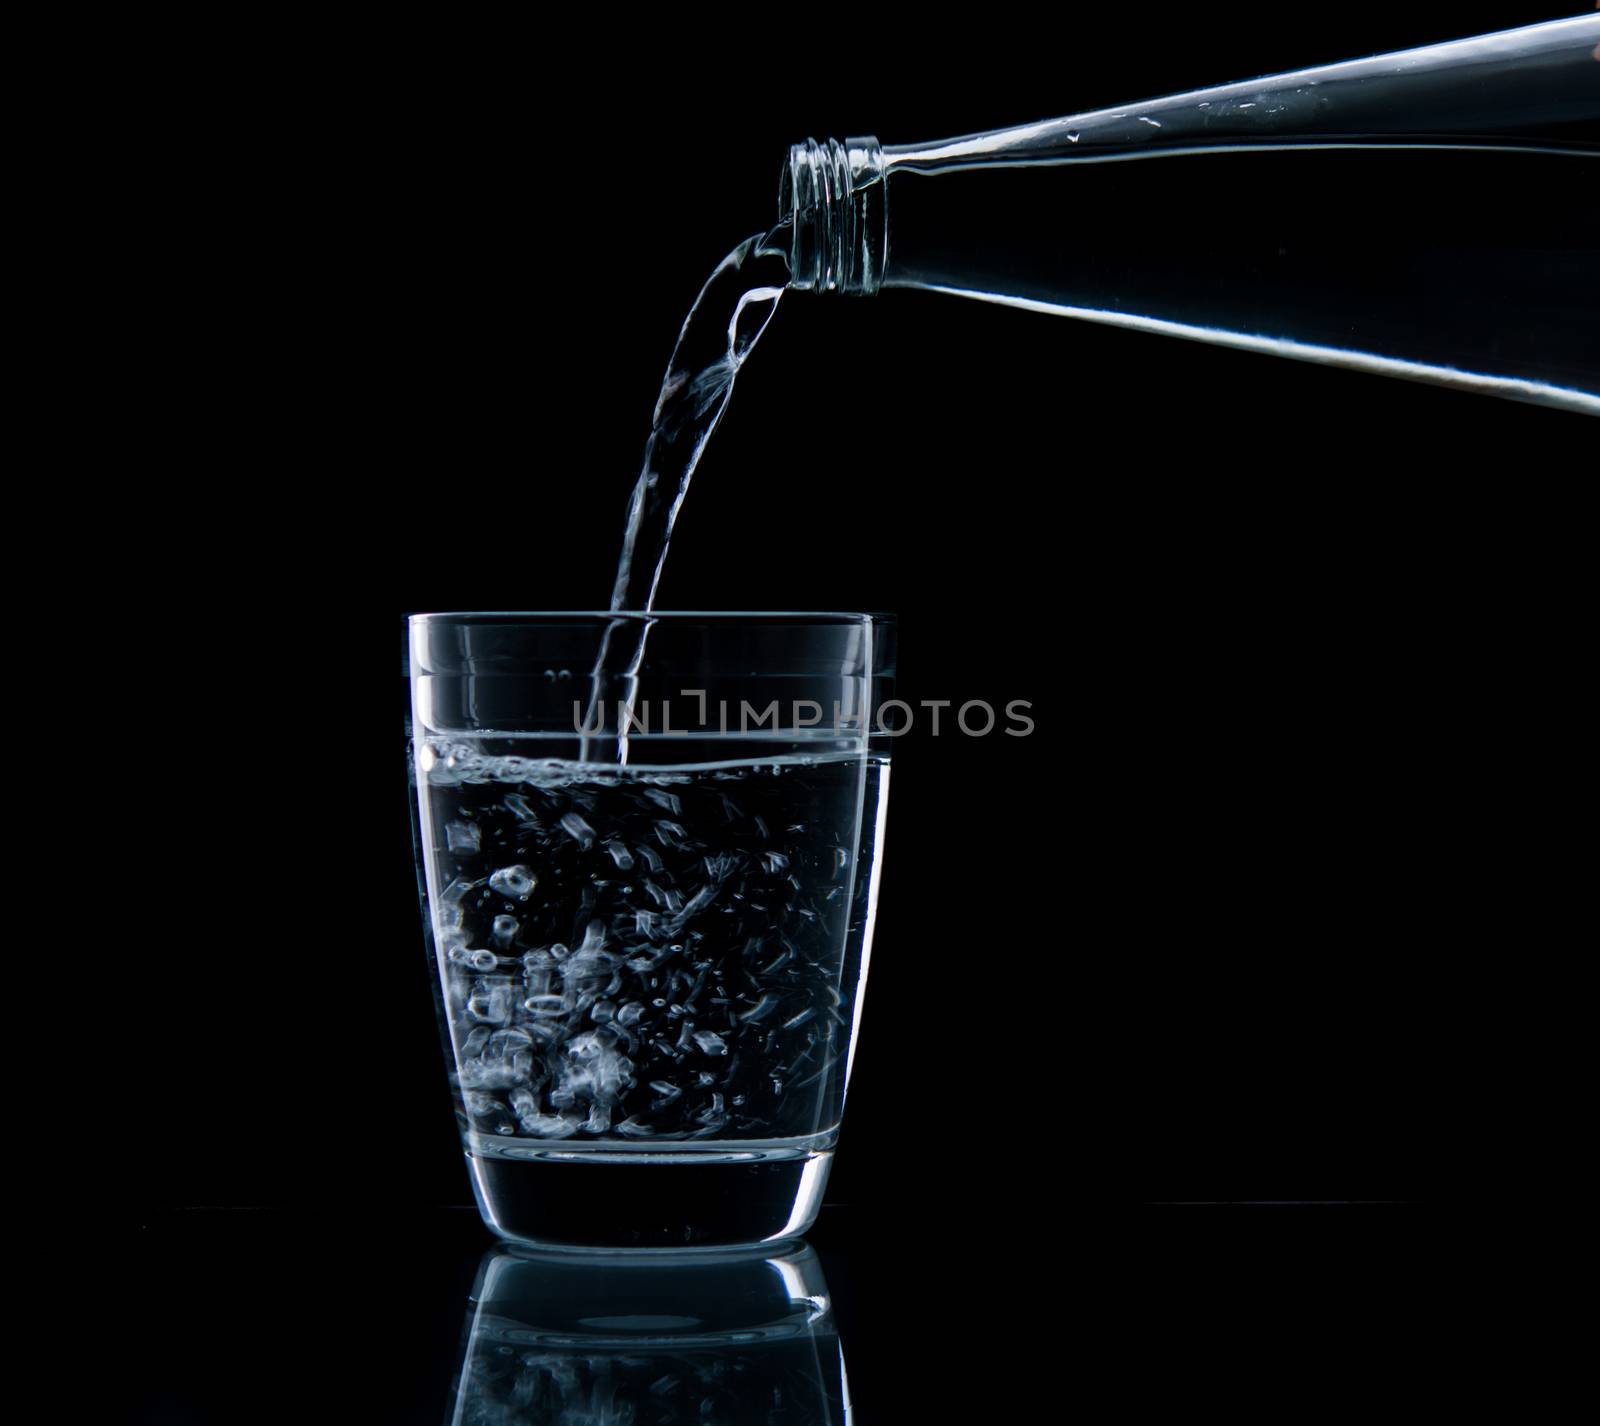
x=833 y=196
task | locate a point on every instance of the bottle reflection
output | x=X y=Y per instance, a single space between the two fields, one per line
x=567 y=1339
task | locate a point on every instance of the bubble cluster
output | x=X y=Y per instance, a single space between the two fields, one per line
x=645 y=955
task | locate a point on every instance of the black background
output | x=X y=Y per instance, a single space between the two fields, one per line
x=1202 y=914
x=1201 y=936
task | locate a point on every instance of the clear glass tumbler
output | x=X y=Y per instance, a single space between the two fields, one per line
x=649 y=850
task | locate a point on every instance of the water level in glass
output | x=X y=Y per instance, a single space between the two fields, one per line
x=649 y=974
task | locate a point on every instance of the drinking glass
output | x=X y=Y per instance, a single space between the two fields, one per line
x=649 y=850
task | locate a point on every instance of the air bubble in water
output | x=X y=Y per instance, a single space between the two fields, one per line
x=490 y=1000
x=579 y=830
x=516 y=882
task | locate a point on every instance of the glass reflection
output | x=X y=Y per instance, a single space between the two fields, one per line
x=569 y=1339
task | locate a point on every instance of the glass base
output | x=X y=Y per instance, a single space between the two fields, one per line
x=581 y=1198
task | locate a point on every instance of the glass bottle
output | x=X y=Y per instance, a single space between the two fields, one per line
x=1432 y=214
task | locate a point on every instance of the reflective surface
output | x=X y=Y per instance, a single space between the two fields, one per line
x=588 y=1340
x=224 y=1316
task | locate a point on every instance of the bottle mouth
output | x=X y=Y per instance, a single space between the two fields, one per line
x=833 y=197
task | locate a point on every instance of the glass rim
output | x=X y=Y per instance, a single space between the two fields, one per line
x=546 y=615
